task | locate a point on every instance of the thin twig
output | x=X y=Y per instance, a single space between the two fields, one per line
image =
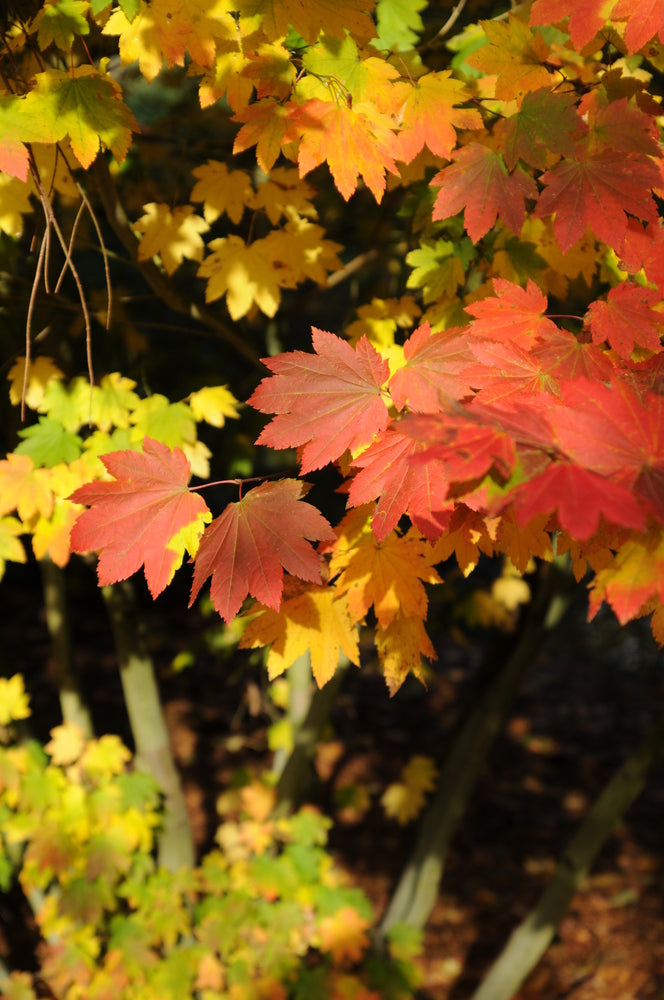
x=438 y=38
x=48 y=210
x=70 y=247
x=104 y=253
x=28 y=320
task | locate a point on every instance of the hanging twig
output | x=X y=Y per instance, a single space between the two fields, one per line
x=28 y=321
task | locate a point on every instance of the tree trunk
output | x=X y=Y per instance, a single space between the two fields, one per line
x=153 y=749
x=72 y=703
x=418 y=887
x=532 y=937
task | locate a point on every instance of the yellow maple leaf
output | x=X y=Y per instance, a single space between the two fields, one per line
x=244 y=274
x=315 y=620
x=284 y=193
x=338 y=16
x=51 y=536
x=14 y=204
x=105 y=757
x=221 y=190
x=521 y=543
x=344 y=935
x=466 y=537
x=66 y=744
x=113 y=400
x=302 y=251
x=11 y=549
x=258 y=800
x=213 y=404
x=24 y=488
x=389 y=575
x=40 y=372
x=516 y=55
x=403 y=800
x=225 y=79
x=14 y=702
x=401 y=647
x=173 y=234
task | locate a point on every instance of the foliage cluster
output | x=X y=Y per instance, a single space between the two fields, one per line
x=488 y=260
x=78 y=826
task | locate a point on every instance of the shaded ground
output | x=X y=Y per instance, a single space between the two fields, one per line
x=585 y=705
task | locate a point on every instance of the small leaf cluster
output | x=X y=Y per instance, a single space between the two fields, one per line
x=266 y=913
x=77 y=424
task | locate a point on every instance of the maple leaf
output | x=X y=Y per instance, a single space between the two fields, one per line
x=11 y=549
x=619 y=125
x=387 y=575
x=430 y=116
x=316 y=620
x=328 y=401
x=545 y=123
x=214 y=404
x=60 y=21
x=609 y=429
x=398 y=23
x=643 y=247
x=221 y=190
x=331 y=63
x=170 y=233
x=586 y=17
x=505 y=371
x=437 y=269
x=132 y=519
x=245 y=274
x=389 y=472
x=562 y=355
x=401 y=647
x=635 y=576
x=226 y=79
x=626 y=319
x=403 y=800
x=432 y=370
x=306 y=18
x=344 y=935
x=644 y=21
x=478 y=182
x=87 y=106
x=266 y=124
x=247 y=548
x=354 y=141
x=24 y=488
x=597 y=191
x=579 y=497
x=515 y=54
x=14 y=701
x=513 y=314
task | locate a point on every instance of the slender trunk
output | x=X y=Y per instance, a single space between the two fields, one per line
x=153 y=749
x=72 y=703
x=532 y=937
x=418 y=887
x=308 y=722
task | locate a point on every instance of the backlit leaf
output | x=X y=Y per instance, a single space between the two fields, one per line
x=132 y=519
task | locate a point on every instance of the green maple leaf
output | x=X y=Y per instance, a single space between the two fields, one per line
x=399 y=24
x=87 y=106
x=60 y=22
x=170 y=423
x=48 y=443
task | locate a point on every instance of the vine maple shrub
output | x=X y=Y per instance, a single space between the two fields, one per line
x=503 y=423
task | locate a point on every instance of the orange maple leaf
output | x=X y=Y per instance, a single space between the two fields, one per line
x=344 y=935
x=430 y=116
x=354 y=141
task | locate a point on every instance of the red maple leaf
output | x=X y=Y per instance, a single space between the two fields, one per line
x=564 y=356
x=132 y=519
x=468 y=449
x=586 y=17
x=643 y=247
x=626 y=319
x=506 y=371
x=579 y=497
x=478 y=182
x=328 y=401
x=432 y=369
x=645 y=19
x=247 y=548
x=597 y=190
x=388 y=474
x=512 y=314
x=611 y=431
